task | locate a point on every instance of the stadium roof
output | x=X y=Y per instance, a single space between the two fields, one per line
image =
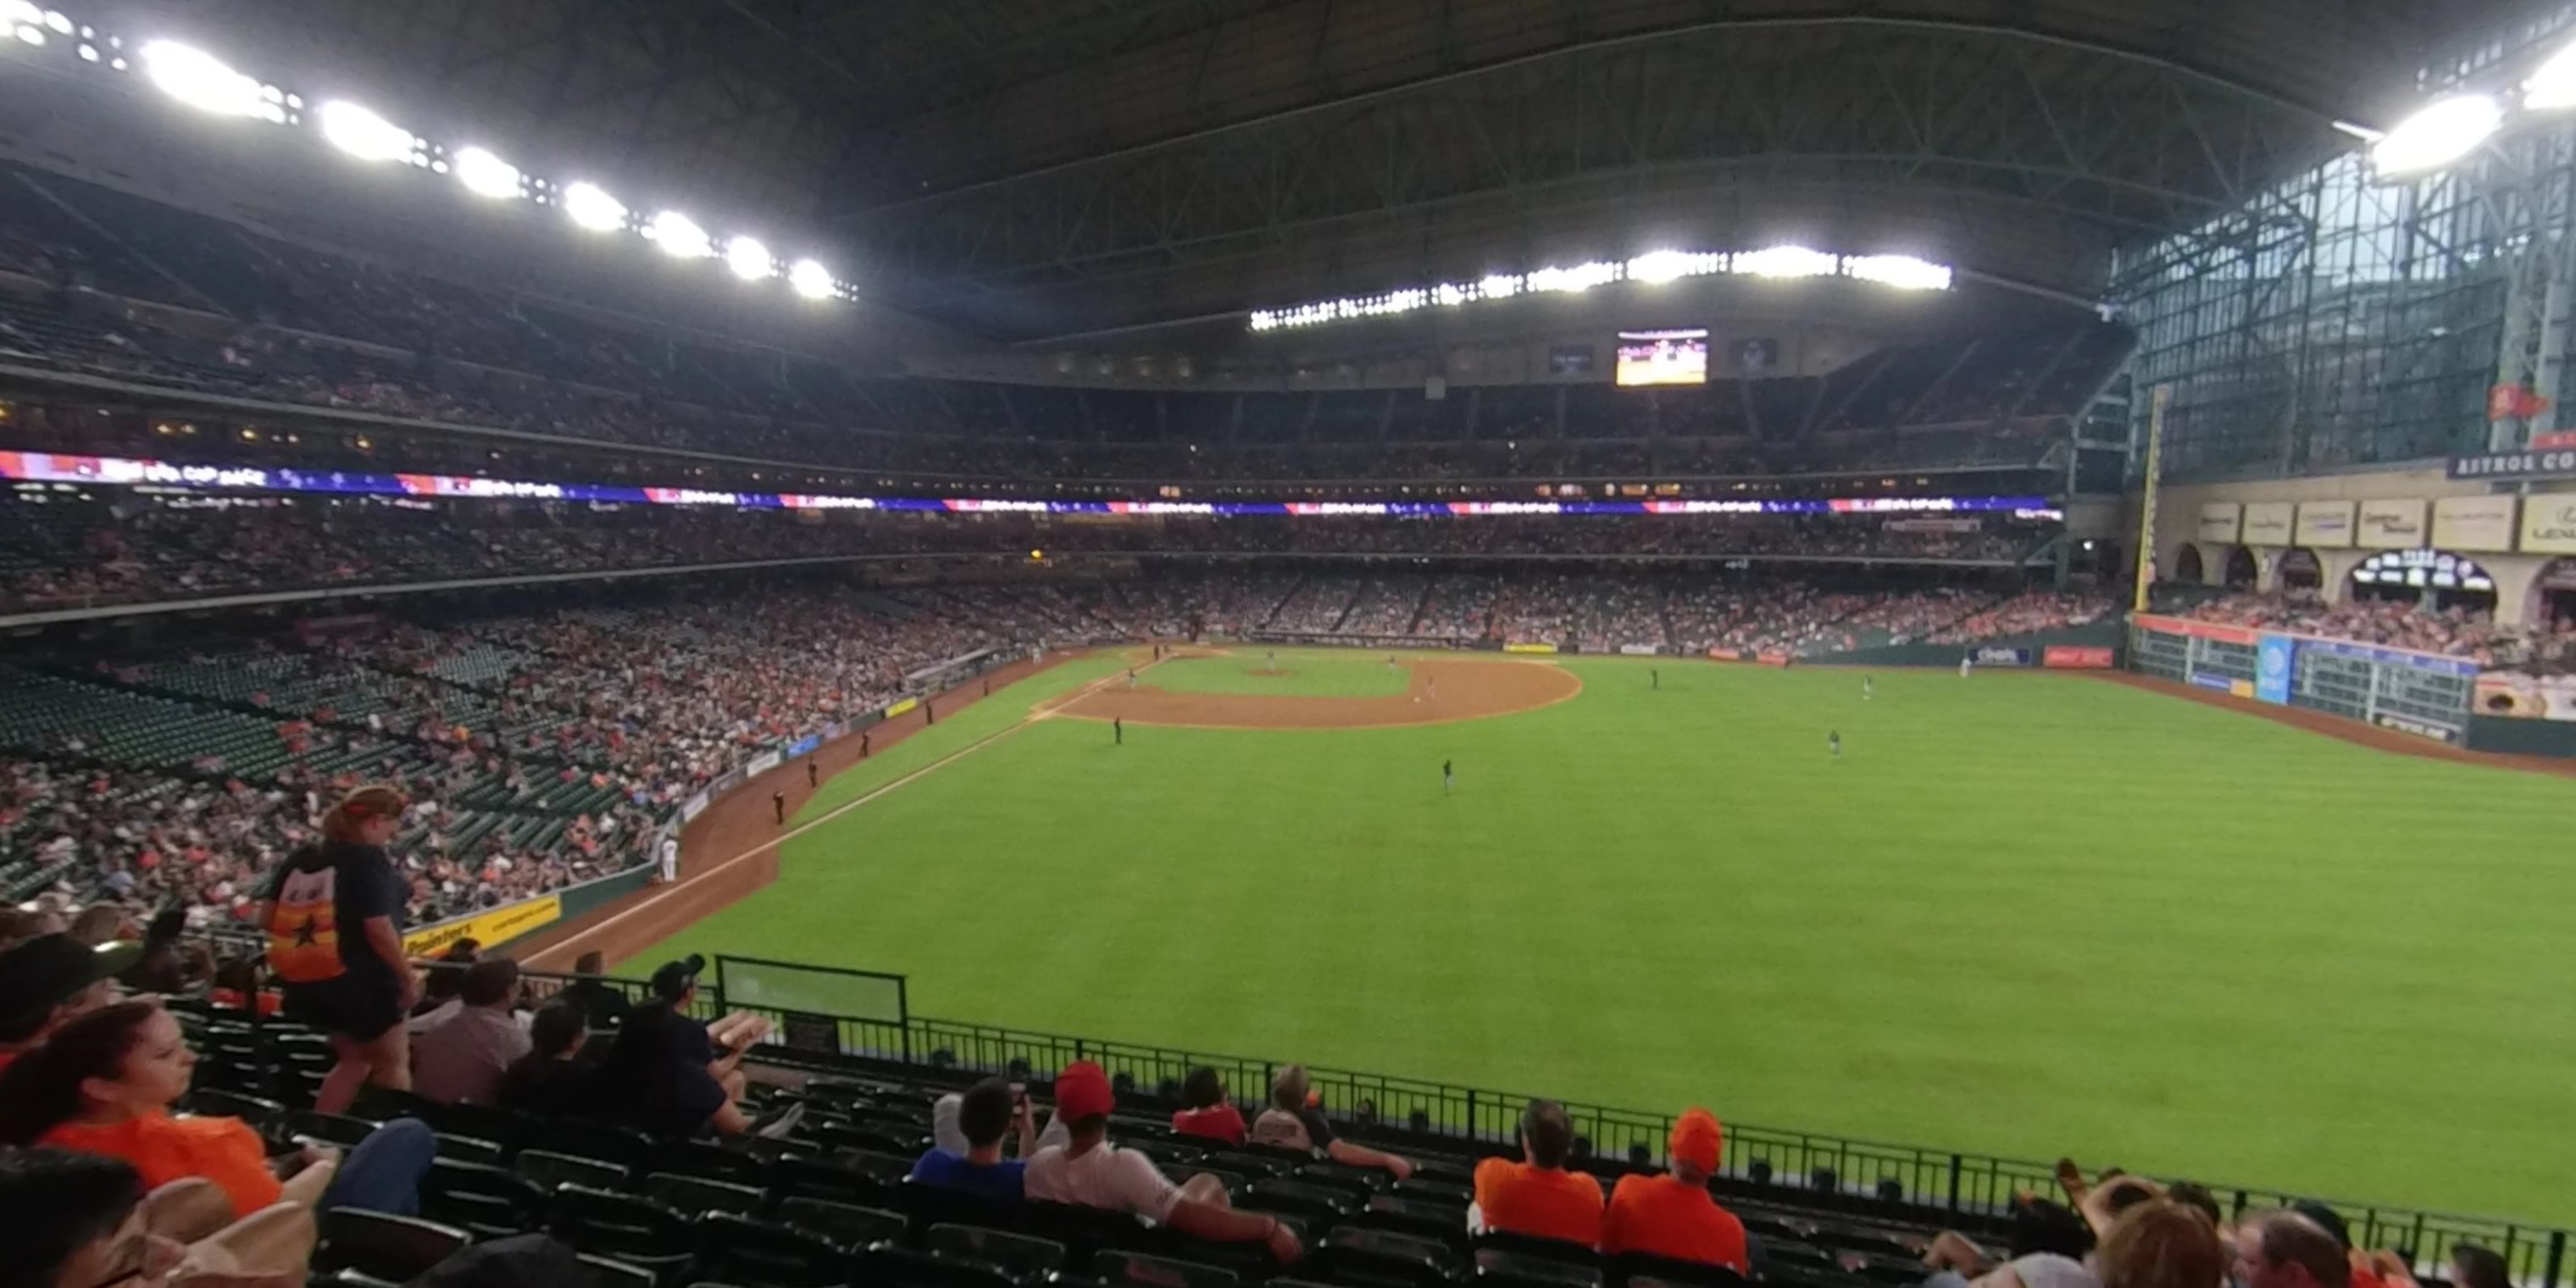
x=1032 y=169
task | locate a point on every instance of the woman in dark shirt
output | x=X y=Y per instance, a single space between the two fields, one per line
x=334 y=921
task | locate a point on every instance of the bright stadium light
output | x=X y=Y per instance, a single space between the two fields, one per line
x=486 y=175
x=60 y=22
x=16 y=12
x=1904 y=272
x=749 y=260
x=590 y=206
x=810 y=279
x=1786 y=261
x=2553 y=87
x=202 y=81
x=2437 y=135
x=1499 y=286
x=679 y=236
x=1656 y=266
x=1578 y=277
x=365 y=135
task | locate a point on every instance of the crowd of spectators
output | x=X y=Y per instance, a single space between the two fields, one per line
x=68 y=551
x=2454 y=632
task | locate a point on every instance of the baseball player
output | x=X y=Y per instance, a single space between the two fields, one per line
x=1834 y=743
x=1448 y=776
x=1868 y=686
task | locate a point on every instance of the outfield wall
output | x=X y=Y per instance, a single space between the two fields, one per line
x=2424 y=694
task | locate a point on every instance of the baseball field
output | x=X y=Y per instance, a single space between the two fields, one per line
x=2025 y=914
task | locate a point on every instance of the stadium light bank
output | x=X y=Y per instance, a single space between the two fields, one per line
x=1653 y=268
x=2455 y=125
x=198 y=79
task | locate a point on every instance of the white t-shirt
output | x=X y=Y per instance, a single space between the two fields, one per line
x=1103 y=1176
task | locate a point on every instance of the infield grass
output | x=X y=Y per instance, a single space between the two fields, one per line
x=2024 y=914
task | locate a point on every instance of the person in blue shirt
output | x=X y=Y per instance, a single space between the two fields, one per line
x=988 y=1112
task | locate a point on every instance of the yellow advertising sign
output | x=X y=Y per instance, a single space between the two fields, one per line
x=2549 y=524
x=899 y=708
x=2473 y=523
x=1529 y=648
x=490 y=927
x=2325 y=523
x=2391 y=524
x=2218 y=523
x=2270 y=523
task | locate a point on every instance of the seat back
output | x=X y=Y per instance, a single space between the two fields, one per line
x=1021 y=1256
x=889 y=1266
x=1503 y=1266
x=548 y=1169
x=398 y=1248
x=1640 y=1270
x=846 y=1224
x=696 y=1195
x=745 y=1250
x=1145 y=1271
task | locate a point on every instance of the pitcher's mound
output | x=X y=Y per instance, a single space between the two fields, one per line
x=1443 y=690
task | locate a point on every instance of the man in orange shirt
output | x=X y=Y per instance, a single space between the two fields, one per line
x=1672 y=1215
x=1538 y=1196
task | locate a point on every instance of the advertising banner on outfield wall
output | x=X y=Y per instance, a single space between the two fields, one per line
x=802 y=745
x=2325 y=523
x=760 y=764
x=900 y=707
x=1529 y=648
x=2276 y=659
x=2270 y=523
x=2002 y=656
x=1726 y=655
x=2075 y=657
x=2473 y=523
x=2521 y=695
x=1639 y=650
x=491 y=927
x=694 y=806
x=2391 y=524
x=2219 y=522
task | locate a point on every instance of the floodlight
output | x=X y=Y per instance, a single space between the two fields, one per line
x=591 y=207
x=59 y=21
x=2438 y=134
x=679 y=236
x=1451 y=294
x=486 y=175
x=365 y=135
x=1786 y=261
x=14 y=12
x=1904 y=272
x=202 y=81
x=810 y=279
x=1579 y=277
x=1264 y=319
x=32 y=35
x=2553 y=86
x=1500 y=286
x=749 y=260
x=1669 y=265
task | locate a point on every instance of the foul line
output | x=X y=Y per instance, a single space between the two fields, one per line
x=1038 y=711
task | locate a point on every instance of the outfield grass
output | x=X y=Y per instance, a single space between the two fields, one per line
x=2023 y=914
x=1309 y=675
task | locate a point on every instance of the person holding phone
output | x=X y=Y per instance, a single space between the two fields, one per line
x=989 y=1113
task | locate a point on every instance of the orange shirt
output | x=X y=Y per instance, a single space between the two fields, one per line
x=165 y=1149
x=1548 y=1202
x=1666 y=1218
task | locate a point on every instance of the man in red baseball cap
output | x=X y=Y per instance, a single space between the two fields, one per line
x=1672 y=1215
x=1092 y=1172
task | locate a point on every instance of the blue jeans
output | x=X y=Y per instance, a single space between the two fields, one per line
x=382 y=1173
